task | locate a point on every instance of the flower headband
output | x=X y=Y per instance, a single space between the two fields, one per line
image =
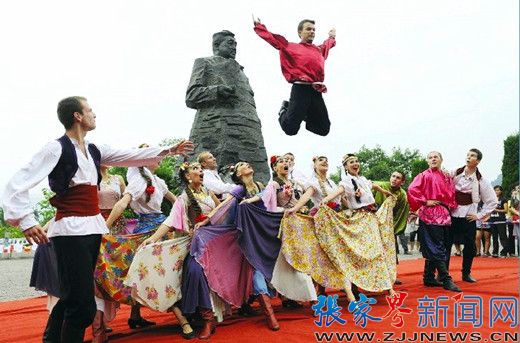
x=347 y=158
x=184 y=166
x=273 y=159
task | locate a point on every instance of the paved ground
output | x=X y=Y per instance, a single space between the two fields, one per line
x=14 y=279
x=16 y=272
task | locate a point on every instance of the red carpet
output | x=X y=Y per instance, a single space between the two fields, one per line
x=24 y=320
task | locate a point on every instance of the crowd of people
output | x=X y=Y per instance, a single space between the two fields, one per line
x=229 y=240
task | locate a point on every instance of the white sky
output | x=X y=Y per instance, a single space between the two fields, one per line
x=433 y=75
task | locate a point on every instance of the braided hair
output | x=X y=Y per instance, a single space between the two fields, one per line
x=194 y=209
x=145 y=176
x=320 y=181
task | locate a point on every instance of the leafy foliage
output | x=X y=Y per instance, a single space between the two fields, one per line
x=510 y=163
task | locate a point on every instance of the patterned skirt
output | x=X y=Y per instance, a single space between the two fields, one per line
x=149 y=222
x=116 y=254
x=303 y=252
x=361 y=245
x=156 y=273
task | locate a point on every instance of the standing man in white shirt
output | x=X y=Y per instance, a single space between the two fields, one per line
x=72 y=165
x=212 y=180
x=470 y=189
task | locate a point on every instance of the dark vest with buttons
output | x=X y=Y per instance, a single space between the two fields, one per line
x=64 y=171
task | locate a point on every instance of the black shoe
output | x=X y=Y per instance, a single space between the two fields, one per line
x=190 y=335
x=398 y=282
x=283 y=109
x=108 y=329
x=432 y=283
x=468 y=278
x=291 y=304
x=495 y=255
x=247 y=311
x=451 y=286
x=139 y=323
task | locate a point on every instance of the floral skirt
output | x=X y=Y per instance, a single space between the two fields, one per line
x=119 y=225
x=115 y=257
x=156 y=273
x=303 y=252
x=361 y=245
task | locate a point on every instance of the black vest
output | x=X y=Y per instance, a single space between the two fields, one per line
x=62 y=174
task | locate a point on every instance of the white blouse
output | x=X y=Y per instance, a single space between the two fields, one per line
x=364 y=185
x=317 y=196
x=137 y=189
x=15 y=200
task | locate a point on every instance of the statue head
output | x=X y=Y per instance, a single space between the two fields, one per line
x=224 y=44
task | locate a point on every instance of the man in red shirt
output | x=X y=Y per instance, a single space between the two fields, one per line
x=303 y=65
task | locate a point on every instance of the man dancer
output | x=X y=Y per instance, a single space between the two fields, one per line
x=401 y=208
x=72 y=165
x=303 y=65
x=433 y=195
x=212 y=179
x=470 y=189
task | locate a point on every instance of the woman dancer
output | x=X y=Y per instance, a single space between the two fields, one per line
x=144 y=194
x=359 y=243
x=298 y=229
x=280 y=194
x=194 y=209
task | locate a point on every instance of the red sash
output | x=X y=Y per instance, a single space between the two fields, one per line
x=78 y=201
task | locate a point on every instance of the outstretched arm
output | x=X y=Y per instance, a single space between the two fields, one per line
x=277 y=41
x=328 y=44
x=118 y=209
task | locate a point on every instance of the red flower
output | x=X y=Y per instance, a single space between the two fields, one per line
x=333 y=205
x=201 y=218
x=150 y=189
x=273 y=159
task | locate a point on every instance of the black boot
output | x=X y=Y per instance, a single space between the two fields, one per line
x=283 y=108
x=447 y=281
x=429 y=275
x=52 y=333
x=467 y=261
x=72 y=334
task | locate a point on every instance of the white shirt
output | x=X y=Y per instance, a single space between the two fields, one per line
x=364 y=185
x=298 y=176
x=137 y=189
x=214 y=183
x=16 y=203
x=317 y=196
x=486 y=193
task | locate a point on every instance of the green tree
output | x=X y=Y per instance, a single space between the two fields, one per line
x=377 y=165
x=44 y=210
x=510 y=163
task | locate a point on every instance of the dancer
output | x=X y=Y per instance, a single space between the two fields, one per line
x=203 y=289
x=72 y=165
x=303 y=65
x=144 y=193
x=111 y=190
x=280 y=194
x=470 y=189
x=366 y=235
x=302 y=249
x=432 y=194
x=401 y=208
x=294 y=173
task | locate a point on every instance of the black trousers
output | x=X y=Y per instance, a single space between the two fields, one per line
x=306 y=104
x=466 y=230
x=510 y=239
x=433 y=240
x=499 y=231
x=76 y=259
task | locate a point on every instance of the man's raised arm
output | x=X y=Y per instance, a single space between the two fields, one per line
x=277 y=41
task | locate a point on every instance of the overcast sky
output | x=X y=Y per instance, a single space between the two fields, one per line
x=433 y=75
